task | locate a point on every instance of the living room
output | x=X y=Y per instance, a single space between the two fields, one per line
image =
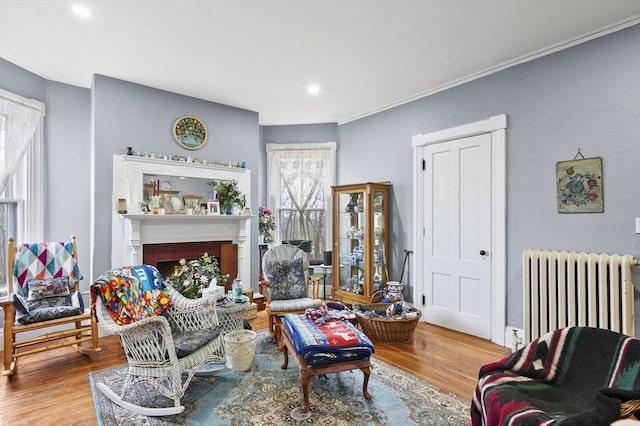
x=583 y=96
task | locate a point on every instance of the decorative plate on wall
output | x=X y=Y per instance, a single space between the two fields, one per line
x=190 y=132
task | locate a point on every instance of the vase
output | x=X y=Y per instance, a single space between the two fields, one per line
x=262 y=239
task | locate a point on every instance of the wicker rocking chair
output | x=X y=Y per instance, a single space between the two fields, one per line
x=166 y=337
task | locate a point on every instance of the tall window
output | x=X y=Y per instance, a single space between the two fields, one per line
x=21 y=173
x=299 y=183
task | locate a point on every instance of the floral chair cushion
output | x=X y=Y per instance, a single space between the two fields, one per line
x=287 y=279
x=132 y=293
x=187 y=342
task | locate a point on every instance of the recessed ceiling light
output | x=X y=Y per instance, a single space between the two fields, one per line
x=313 y=89
x=81 y=11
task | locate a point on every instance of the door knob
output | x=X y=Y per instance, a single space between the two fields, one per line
x=483 y=253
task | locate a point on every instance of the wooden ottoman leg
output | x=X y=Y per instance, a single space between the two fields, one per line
x=285 y=364
x=367 y=373
x=305 y=378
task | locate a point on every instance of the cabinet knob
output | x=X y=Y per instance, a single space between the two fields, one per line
x=483 y=253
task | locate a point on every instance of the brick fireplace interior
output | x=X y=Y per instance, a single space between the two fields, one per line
x=166 y=256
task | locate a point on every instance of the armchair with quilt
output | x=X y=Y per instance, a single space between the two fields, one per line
x=572 y=376
x=285 y=285
x=166 y=337
x=44 y=281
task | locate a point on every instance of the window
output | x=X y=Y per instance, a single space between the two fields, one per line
x=299 y=183
x=21 y=173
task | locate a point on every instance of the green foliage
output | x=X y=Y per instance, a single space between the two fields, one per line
x=196 y=274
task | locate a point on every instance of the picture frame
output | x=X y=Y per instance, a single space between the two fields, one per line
x=579 y=186
x=192 y=201
x=213 y=207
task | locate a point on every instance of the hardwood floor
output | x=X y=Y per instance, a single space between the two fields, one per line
x=52 y=388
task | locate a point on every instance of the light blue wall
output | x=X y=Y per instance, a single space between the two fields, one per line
x=584 y=97
x=128 y=114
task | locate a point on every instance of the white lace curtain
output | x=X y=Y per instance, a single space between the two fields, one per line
x=20 y=124
x=297 y=177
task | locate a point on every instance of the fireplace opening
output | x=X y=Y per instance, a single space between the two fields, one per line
x=166 y=256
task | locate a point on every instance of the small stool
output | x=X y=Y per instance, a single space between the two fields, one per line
x=307 y=371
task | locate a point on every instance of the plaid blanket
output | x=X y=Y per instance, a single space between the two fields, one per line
x=333 y=341
x=572 y=376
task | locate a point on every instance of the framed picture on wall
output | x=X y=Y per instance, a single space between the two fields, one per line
x=579 y=186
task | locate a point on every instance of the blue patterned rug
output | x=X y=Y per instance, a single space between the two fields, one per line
x=267 y=395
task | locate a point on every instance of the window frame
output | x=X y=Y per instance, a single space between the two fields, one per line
x=274 y=188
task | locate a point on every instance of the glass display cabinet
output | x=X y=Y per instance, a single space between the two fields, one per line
x=360 y=241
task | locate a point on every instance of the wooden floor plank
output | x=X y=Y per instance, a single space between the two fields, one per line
x=52 y=388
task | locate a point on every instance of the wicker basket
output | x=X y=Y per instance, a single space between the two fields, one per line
x=387 y=329
x=240 y=348
x=250 y=312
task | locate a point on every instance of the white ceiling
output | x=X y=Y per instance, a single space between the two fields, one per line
x=261 y=54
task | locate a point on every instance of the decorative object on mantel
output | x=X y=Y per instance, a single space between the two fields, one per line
x=229 y=195
x=190 y=132
x=188 y=159
x=579 y=185
x=195 y=275
x=266 y=224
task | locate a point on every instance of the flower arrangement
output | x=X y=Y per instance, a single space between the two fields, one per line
x=196 y=274
x=229 y=194
x=266 y=223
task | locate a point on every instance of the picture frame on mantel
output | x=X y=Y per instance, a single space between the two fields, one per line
x=579 y=186
x=213 y=207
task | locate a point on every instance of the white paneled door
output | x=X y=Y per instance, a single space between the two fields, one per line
x=460 y=222
x=457 y=207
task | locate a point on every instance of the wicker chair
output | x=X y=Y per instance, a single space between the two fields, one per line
x=286 y=273
x=166 y=339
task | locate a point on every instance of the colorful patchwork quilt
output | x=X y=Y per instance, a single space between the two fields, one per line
x=570 y=377
x=333 y=341
x=132 y=293
x=41 y=261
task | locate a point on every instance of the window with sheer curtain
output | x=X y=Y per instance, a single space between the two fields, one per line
x=21 y=173
x=299 y=183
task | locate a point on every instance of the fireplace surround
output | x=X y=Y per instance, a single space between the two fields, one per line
x=136 y=236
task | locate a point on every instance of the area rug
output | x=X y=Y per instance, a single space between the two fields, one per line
x=268 y=395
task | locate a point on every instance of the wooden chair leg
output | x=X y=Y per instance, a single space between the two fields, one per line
x=9 y=340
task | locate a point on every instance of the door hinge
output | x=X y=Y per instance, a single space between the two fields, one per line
x=424 y=300
x=424 y=164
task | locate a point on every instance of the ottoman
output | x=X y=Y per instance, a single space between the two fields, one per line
x=332 y=347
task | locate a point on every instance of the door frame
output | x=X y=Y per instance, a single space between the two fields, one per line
x=496 y=126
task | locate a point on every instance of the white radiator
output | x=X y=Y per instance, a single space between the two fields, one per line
x=563 y=289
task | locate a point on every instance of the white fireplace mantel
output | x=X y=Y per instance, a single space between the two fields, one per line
x=130 y=232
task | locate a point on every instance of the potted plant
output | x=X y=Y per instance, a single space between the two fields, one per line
x=229 y=195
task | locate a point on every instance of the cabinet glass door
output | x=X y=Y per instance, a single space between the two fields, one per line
x=352 y=210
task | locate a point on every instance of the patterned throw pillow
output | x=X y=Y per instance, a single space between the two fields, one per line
x=286 y=279
x=48 y=287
